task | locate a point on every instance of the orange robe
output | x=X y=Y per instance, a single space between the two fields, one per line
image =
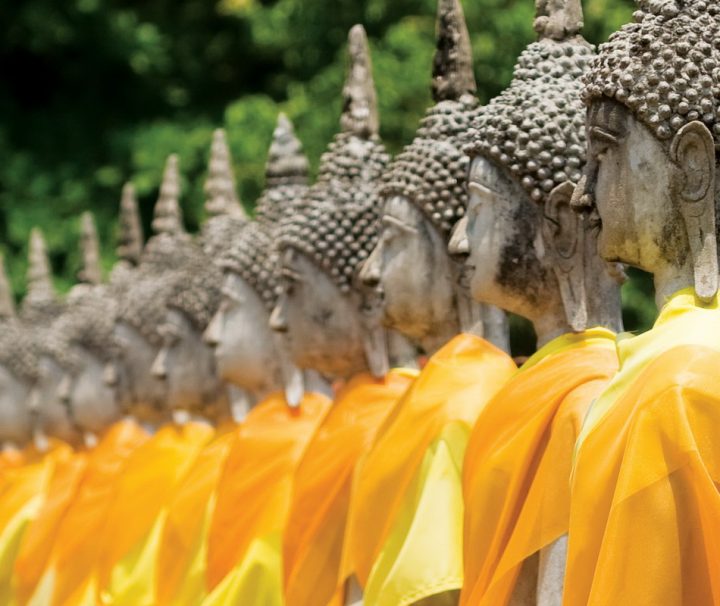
x=254 y=489
x=519 y=458
x=75 y=548
x=395 y=487
x=22 y=493
x=313 y=538
x=39 y=537
x=182 y=556
x=645 y=515
x=142 y=492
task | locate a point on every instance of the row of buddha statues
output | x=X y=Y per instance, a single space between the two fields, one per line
x=239 y=416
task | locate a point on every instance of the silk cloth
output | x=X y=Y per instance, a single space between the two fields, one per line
x=244 y=562
x=405 y=524
x=645 y=514
x=315 y=528
x=131 y=534
x=74 y=551
x=518 y=461
x=182 y=554
x=23 y=491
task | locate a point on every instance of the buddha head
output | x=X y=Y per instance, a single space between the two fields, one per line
x=18 y=371
x=423 y=194
x=143 y=301
x=39 y=311
x=248 y=353
x=324 y=239
x=528 y=251
x=652 y=98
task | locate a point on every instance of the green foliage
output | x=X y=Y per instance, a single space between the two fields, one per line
x=96 y=92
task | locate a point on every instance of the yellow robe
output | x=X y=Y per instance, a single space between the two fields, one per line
x=22 y=493
x=404 y=538
x=518 y=461
x=253 y=496
x=74 y=551
x=131 y=534
x=645 y=513
x=182 y=556
x=315 y=529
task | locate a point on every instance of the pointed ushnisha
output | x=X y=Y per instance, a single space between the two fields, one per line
x=452 y=72
x=360 y=112
x=168 y=216
x=221 y=197
x=130 y=242
x=7 y=305
x=558 y=19
x=90 y=272
x=39 y=280
x=286 y=163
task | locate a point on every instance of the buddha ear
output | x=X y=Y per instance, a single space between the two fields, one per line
x=693 y=153
x=563 y=237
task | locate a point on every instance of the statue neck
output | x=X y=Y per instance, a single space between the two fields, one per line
x=670 y=279
x=549 y=326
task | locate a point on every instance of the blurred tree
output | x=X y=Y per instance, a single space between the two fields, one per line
x=96 y=92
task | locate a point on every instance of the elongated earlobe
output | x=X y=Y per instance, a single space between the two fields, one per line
x=693 y=152
x=563 y=235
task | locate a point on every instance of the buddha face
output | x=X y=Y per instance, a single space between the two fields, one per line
x=52 y=415
x=90 y=392
x=186 y=364
x=502 y=233
x=412 y=270
x=15 y=416
x=243 y=343
x=324 y=327
x=629 y=178
x=144 y=396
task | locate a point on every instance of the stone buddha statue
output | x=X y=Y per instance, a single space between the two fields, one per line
x=248 y=353
x=142 y=305
x=424 y=194
x=18 y=372
x=326 y=236
x=530 y=253
x=40 y=309
x=653 y=127
x=186 y=362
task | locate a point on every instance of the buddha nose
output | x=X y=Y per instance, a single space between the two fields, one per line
x=64 y=389
x=370 y=273
x=459 y=246
x=212 y=333
x=278 y=321
x=159 y=366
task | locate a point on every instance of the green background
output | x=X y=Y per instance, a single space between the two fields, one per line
x=96 y=92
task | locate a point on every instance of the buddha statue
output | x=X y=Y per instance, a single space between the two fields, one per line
x=530 y=253
x=644 y=476
x=424 y=194
x=331 y=325
x=18 y=373
x=248 y=354
x=186 y=362
x=424 y=294
x=40 y=309
x=142 y=305
x=326 y=236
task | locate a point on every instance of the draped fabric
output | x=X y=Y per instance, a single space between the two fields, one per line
x=131 y=534
x=75 y=549
x=519 y=458
x=404 y=532
x=253 y=496
x=22 y=493
x=645 y=510
x=181 y=564
x=313 y=537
